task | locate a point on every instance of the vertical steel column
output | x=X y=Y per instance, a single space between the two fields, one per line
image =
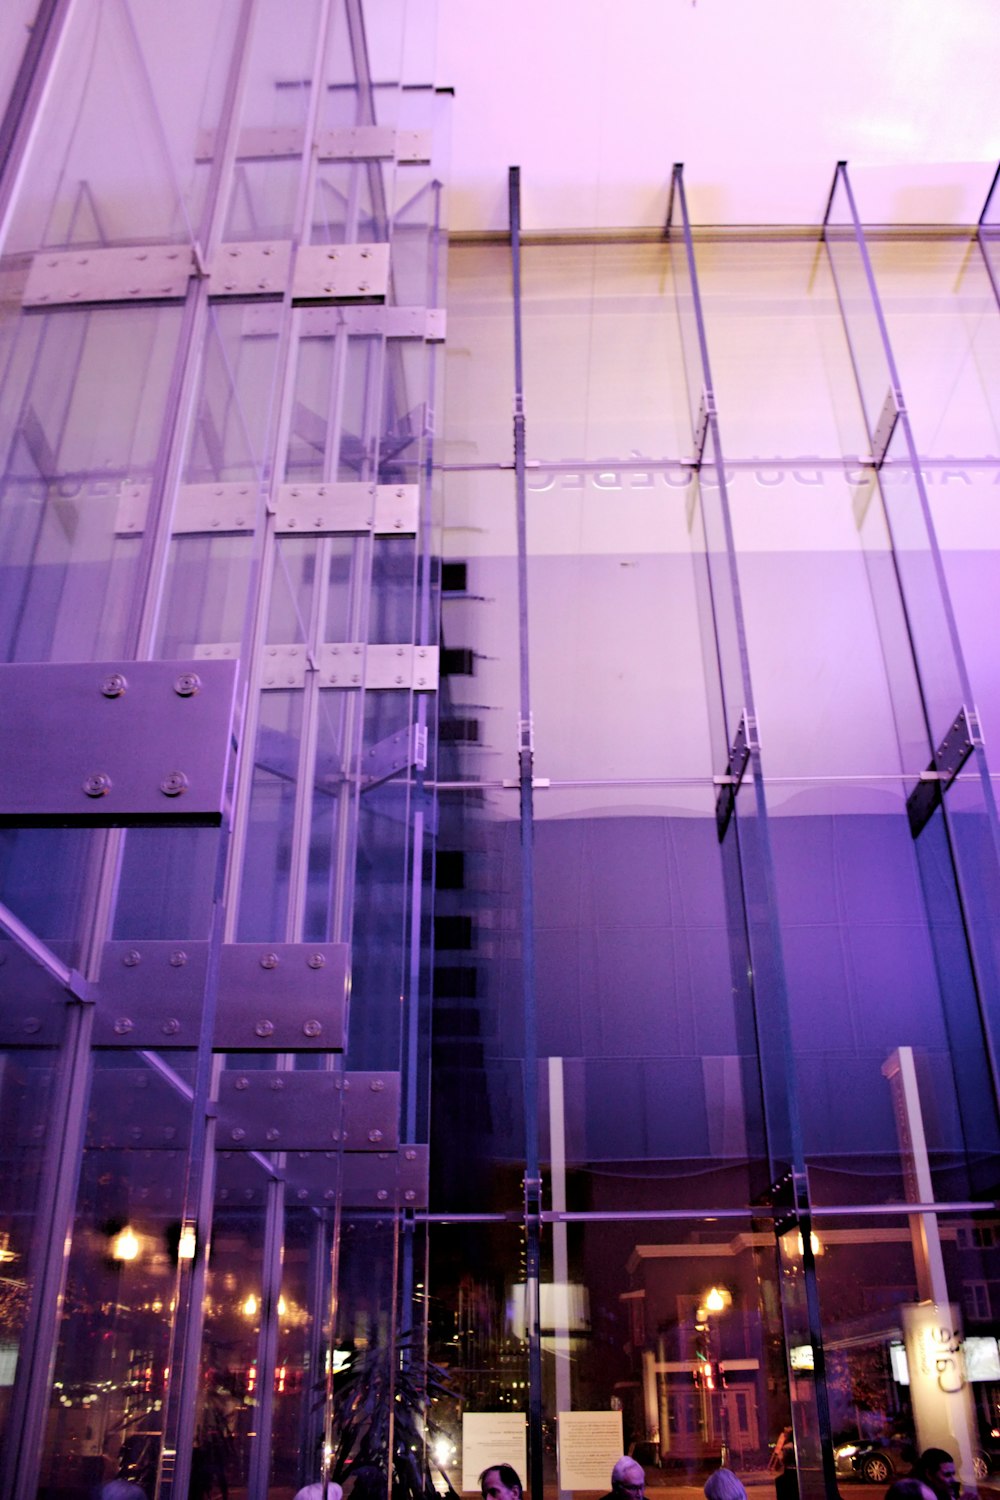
x=958 y=854
x=526 y=755
x=28 y=99
x=758 y=964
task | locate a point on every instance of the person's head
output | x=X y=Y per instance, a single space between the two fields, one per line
x=628 y=1479
x=909 y=1488
x=937 y=1465
x=122 y=1489
x=501 y=1482
x=723 y=1485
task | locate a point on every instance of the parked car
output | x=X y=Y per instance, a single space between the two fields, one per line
x=880 y=1461
x=875 y=1460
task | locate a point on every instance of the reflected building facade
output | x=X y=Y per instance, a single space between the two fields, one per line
x=498 y=919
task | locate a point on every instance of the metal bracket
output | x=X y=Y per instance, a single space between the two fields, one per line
x=397 y=752
x=289 y=997
x=381 y=1181
x=373 y=143
x=151 y=994
x=200 y=510
x=255 y=142
x=284 y=667
x=332 y=509
x=706 y=409
x=290 y=1111
x=358 y=320
x=950 y=756
x=250 y=268
x=386 y=667
x=115 y=744
x=744 y=744
x=123 y=274
x=885 y=426
x=330 y=273
x=344 y=143
x=789 y=1198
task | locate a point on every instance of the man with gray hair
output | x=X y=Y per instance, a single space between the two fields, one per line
x=628 y=1480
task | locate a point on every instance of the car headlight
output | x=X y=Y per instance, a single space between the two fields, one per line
x=848 y=1451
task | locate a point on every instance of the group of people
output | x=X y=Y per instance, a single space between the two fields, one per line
x=933 y=1478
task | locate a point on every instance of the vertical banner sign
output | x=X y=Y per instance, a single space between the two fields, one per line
x=939 y=1391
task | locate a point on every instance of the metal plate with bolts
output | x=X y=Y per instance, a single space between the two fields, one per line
x=885 y=426
x=115 y=744
x=374 y=143
x=32 y=1002
x=962 y=738
x=151 y=994
x=250 y=268
x=325 y=273
x=744 y=743
x=255 y=142
x=399 y=1179
x=285 y=1111
x=378 y=1181
x=402 y=667
x=331 y=509
x=286 y=997
x=358 y=320
x=405 y=749
x=137 y=273
x=200 y=509
x=284 y=667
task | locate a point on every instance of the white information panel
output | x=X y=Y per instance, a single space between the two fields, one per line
x=590 y=1443
x=492 y=1437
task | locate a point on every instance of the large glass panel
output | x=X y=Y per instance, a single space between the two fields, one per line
x=604 y=375
x=905 y=1373
x=613 y=588
x=477 y=1104
x=116 y=159
x=841 y=747
x=27 y=1084
x=640 y=1031
x=944 y=326
x=479 y=357
x=84 y=397
x=112 y=1363
x=781 y=366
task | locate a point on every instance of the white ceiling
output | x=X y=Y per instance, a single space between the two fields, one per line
x=596 y=99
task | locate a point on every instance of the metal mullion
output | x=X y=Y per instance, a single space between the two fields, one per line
x=33 y=85
x=526 y=755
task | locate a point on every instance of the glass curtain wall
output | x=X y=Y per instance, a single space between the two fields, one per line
x=754 y=573
x=222 y=255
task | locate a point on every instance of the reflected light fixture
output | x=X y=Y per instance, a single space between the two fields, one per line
x=717 y=1299
x=250 y=1306
x=187 y=1243
x=125 y=1246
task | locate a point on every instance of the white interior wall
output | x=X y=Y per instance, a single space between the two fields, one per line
x=759 y=99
